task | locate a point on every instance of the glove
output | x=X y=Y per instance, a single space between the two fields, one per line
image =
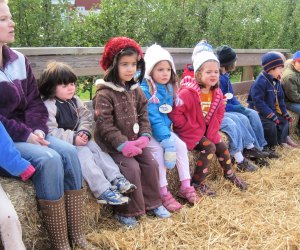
x=170 y=152
x=288 y=117
x=27 y=173
x=275 y=119
x=239 y=108
x=142 y=141
x=130 y=149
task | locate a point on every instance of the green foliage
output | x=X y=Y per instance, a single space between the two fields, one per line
x=242 y=24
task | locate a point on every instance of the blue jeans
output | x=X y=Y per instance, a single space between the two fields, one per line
x=239 y=136
x=254 y=126
x=57 y=167
x=293 y=106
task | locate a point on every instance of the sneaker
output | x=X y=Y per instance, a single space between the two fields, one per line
x=161 y=212
x=237 y=181
x=127 y=221
x=261 y=162
x=170 y=203
x=254 y=153
x=123 y=185
x=112 y=197
x=272 y=153
x=189 y=194
x=291 y=142
x=204 y=190
x=246 y=166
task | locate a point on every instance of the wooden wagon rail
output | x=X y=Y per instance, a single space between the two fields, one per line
x=85 y=60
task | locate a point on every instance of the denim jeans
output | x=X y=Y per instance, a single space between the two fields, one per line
x=293 y=106
x=57 y=167
x=254 y=126
x=239 y=136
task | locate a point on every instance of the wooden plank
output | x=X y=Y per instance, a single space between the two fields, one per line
x=242 y=88
x=85 y=60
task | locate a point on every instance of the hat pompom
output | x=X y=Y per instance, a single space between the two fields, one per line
x=114 y=46
x=154 y=54
x=203 y=45
x=271 y=60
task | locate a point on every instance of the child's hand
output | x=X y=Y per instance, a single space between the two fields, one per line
x=79 y=141
x=142 y=141
x=83 y=136
x=170 y=152
x=130 y=149
x=38 y=140
x=288 y=117
x=275 y=119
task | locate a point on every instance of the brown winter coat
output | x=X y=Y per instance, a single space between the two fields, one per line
x=116 y=111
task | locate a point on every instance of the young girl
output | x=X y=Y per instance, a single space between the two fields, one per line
x=123 y=129
x=267 y=97
x=12 y=162
x=57 y=178
x=197 y=119
x=159 y=87
x=71 y=121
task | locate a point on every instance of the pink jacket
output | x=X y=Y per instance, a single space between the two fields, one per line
x=188 y=120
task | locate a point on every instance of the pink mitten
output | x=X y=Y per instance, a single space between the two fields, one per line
x=142 y=141
x=27 y=173
x=130 y=149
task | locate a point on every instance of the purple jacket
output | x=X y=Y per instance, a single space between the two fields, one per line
x=21 y=109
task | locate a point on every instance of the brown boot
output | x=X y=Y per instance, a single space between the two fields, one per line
x=54 y=217
x=75 y=217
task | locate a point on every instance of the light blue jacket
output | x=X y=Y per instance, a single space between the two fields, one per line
x=10 y=158
x=160 y=122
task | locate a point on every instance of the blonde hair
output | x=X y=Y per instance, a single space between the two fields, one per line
x=4 y=1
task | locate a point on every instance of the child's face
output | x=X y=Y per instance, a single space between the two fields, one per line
x=127 y=67
x=297 y=65
x=6 y=25
x=161 y=72
x=208 y=75
x=65 y=92
x=276 y=72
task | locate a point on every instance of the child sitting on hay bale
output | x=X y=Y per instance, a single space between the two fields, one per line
x=267 y=97
x=12 y=162
x=123 y=129
x=197 y=118
x=71 y=121
x=159 y=87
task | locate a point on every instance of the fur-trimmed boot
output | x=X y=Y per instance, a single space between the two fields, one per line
x=75 y=218
x=55 y=219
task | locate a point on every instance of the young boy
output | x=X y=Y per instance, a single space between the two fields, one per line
x=267 y=97
x=252 y=132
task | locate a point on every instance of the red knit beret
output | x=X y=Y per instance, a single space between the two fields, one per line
x=114 y=46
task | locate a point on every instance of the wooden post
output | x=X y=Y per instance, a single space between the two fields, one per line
x=248 y=73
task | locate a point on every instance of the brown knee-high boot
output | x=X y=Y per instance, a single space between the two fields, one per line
x=55 y=219
x=75 y=217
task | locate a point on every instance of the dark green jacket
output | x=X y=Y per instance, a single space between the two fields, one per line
x=291 y=84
